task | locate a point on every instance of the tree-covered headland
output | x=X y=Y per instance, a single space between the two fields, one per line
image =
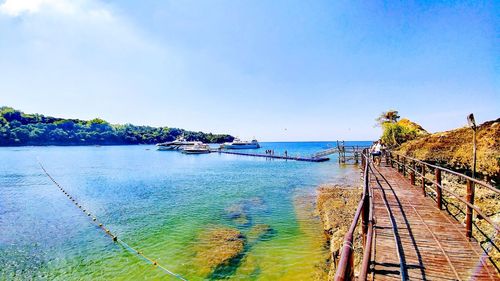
x=395 y=131
x=452 y=149
x=18 y=128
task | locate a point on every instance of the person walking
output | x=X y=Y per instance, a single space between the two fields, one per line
x=376 y=152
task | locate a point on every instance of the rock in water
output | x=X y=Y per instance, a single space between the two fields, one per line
x=218 y=248
x=259 y=232
x=238 y=213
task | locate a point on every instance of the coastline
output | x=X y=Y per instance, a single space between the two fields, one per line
x=336 y=204
x=325 y=215
x=163 y=203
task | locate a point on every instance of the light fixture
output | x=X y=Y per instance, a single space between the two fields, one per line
x=471 y=121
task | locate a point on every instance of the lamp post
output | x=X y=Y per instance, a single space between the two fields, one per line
x=472 y=124
x=470 y=184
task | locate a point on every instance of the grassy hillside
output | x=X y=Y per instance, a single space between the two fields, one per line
x=454 y=149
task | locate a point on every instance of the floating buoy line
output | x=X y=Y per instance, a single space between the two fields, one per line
x=108 y=232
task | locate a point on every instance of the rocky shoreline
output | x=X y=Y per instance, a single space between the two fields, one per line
x=336 y=206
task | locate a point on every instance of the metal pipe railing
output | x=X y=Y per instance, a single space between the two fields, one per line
x=365 y=264
x=345 y=268
x=471 y=183
x=475 y=181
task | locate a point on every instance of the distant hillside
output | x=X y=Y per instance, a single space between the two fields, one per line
x=18 y=128
x=454 y=148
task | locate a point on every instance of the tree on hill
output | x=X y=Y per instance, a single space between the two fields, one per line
x=390 y=116
x=395 y=131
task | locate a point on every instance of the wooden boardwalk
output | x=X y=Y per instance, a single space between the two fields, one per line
x=414 y=240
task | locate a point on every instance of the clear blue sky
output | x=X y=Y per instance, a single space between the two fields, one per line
x=276 y=70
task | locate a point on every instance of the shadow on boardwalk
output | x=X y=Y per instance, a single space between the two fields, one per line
x=416 y=241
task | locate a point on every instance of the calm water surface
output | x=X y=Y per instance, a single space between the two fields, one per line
x=159 y=202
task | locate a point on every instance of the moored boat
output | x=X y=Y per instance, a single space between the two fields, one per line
x=177 y=144
x=198 y=148
x=239 y=144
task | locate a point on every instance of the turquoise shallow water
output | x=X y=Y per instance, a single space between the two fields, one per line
x=159 y=202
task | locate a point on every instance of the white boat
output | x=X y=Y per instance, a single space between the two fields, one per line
x=198 y=148
x=177 y=144
x=239 y=144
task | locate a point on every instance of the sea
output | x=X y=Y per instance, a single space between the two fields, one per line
x=161 y=203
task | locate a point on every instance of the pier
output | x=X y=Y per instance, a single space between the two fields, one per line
x=272 y=156
x=345 y=153
x=409 y=234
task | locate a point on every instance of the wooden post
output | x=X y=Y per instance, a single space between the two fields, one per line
x=439 y=195
x=412 y=173
x=397 y=162
x=468 y=217
x=343 y=152
x=338 y=151
x=423 y=180
x=404 y=167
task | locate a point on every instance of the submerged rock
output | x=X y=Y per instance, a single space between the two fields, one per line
x=218 y=248
x=239 y=212
x=260 y=232
x=254 y=202
x=249 y=268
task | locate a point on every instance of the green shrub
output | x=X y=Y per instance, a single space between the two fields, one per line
x=395 y=131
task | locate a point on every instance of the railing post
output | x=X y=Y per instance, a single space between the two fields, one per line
x=350 y=272
x=364 y=216
x=439 y=195
x=412 y=173
x=468 y=217
x=423 y=180
x=366 y=203
x=404 y=167
x=366 y=213
x=397 y=163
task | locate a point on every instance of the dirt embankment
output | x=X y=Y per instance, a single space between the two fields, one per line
x=453 y=149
